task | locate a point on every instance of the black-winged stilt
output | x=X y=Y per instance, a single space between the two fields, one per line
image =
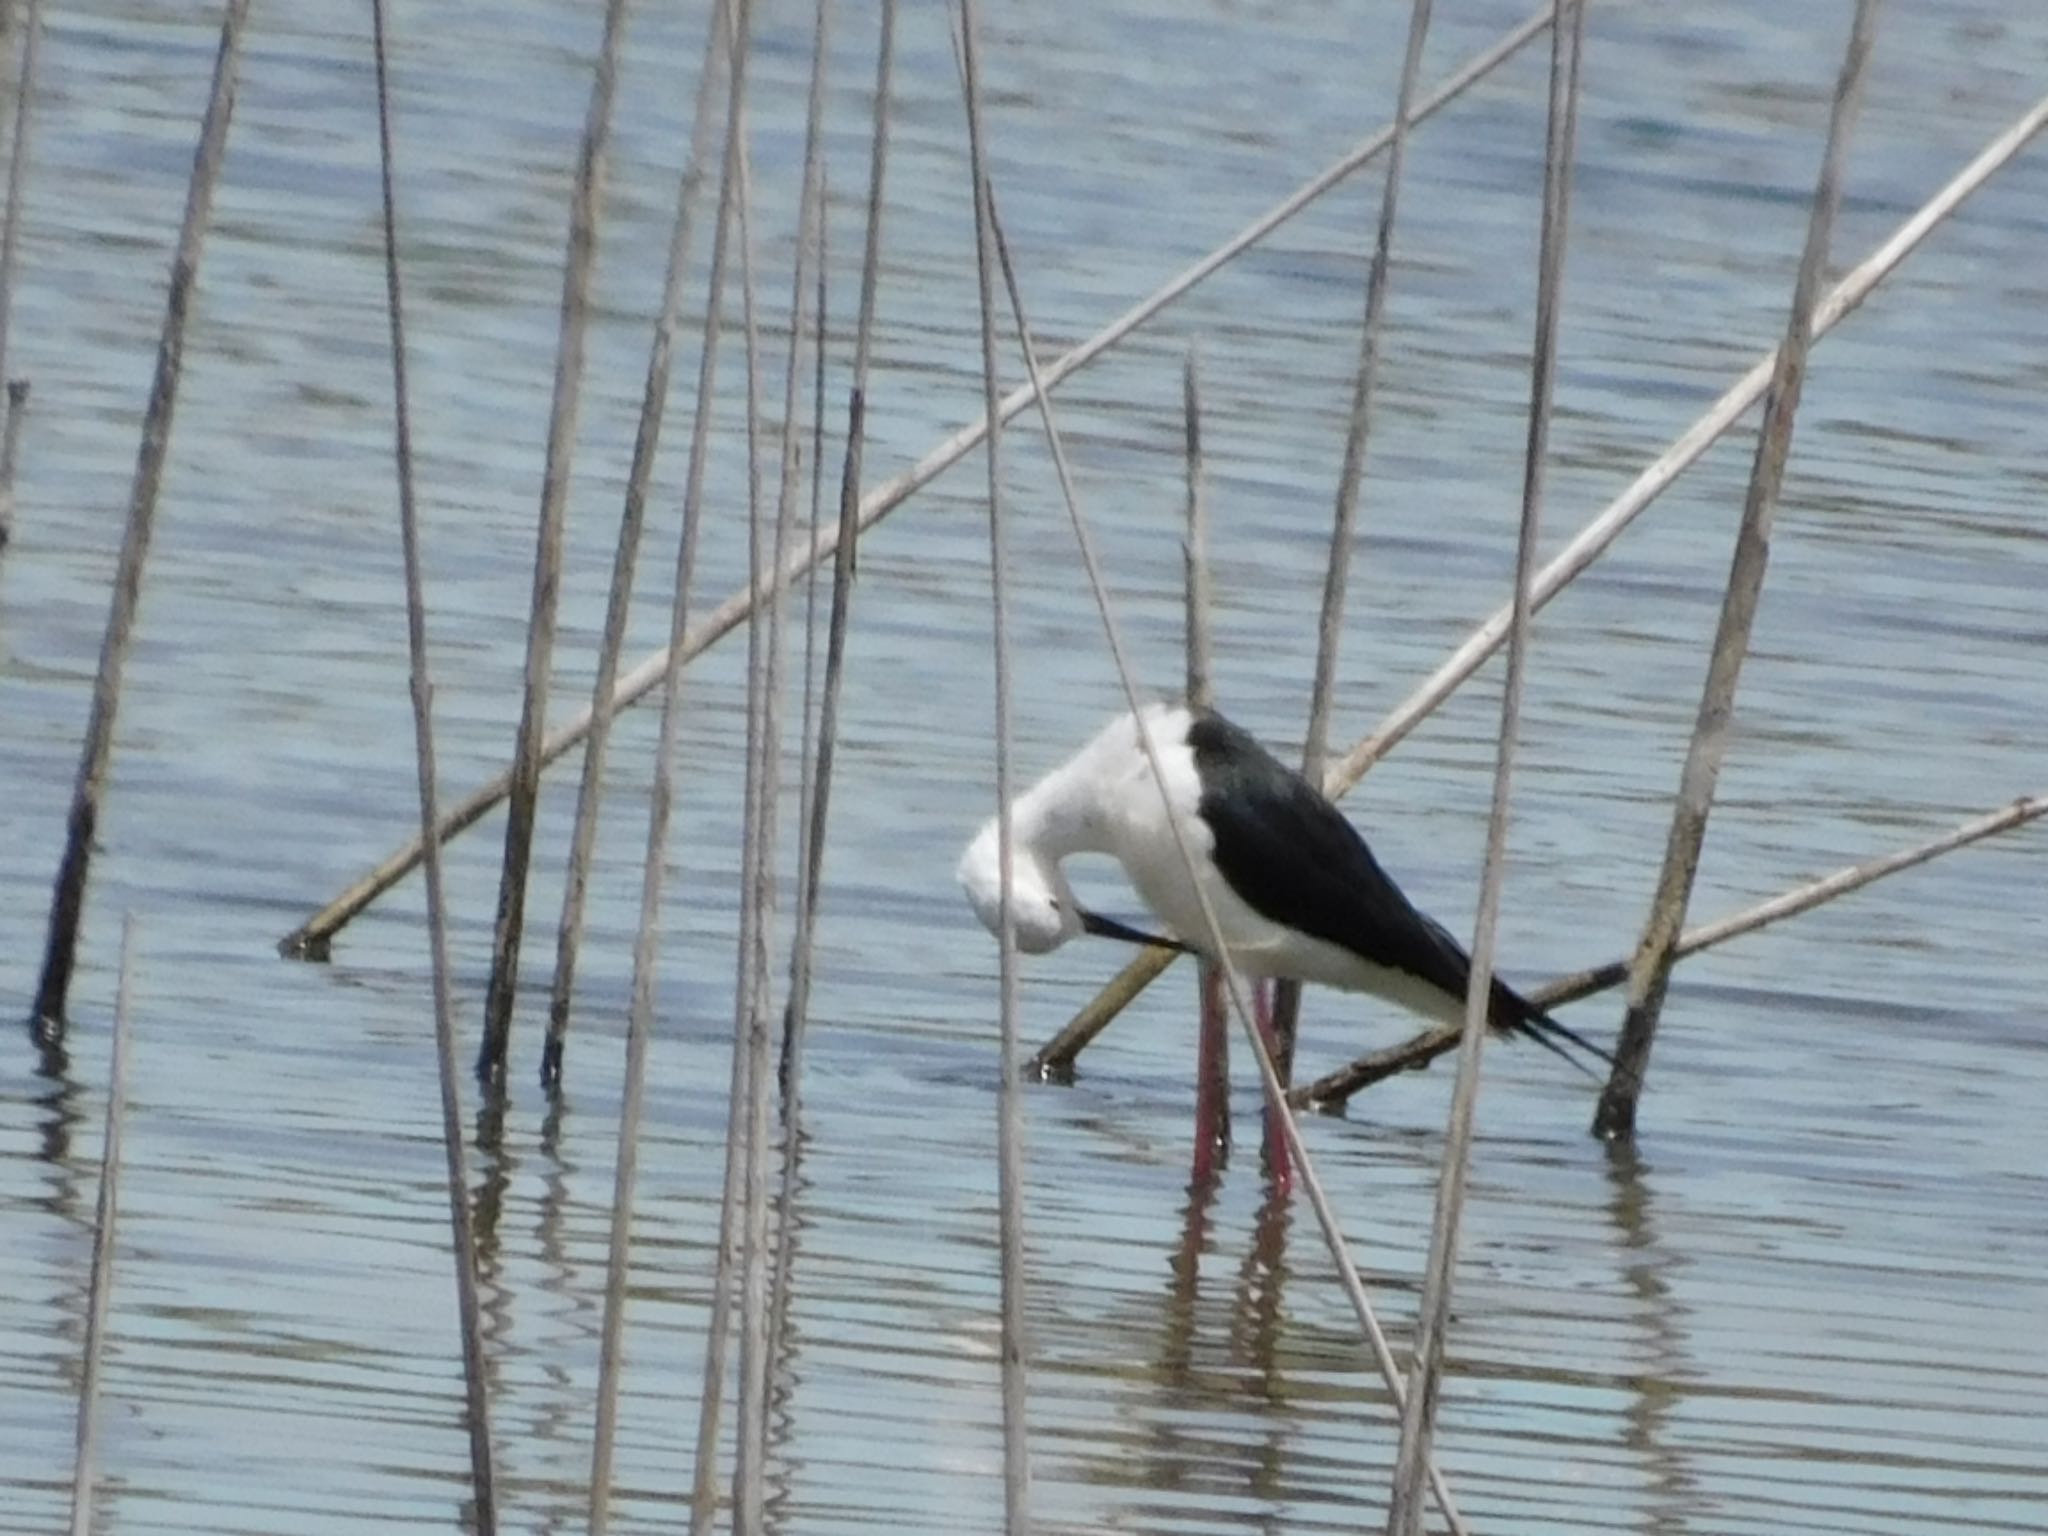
x=1296 y=892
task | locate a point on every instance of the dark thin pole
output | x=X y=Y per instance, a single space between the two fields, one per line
x=842 y=567
x=68 y=906
x=1650 y=973
x=632 y=520
x=586 y=202
x=1350 y=478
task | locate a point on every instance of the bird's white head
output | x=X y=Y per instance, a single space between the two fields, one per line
x=1042 y=906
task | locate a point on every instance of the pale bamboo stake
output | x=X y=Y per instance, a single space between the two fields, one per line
x=1212 y=1052
x=1586 y=546
x=661 y=797
x=1015 y=1341
x=1275 y=1091
x=750 y=969
x=843 y=551
x=10 y=228
x=586 y=201
x=1433 y=1317
x=632 y=520
x=67 y=907
x=1650 y=972
x=313 y=938
x=750 y=1472
x=1357 y=438
x=469 y=1310
x=1335 y=1087
x=84 y=1469
x=756 y=871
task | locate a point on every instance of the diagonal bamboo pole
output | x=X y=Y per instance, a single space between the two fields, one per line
x=1650 y=973
x=313 y=938
x=1433 y=1315
x=1334 y=1088
x=1057 y=1055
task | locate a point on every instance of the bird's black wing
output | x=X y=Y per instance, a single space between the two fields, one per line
x=1296 y=860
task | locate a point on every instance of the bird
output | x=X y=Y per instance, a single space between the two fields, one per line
x=1296 y=890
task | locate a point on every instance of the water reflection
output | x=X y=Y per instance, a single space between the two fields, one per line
x=1647 y=1271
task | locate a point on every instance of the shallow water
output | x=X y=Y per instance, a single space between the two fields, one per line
x=1813 y=1304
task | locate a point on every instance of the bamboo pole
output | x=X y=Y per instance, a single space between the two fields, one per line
x=749 y=1472
x=84 y=1468
x=67 y=907
x=1433 y=1317
x=10 y=229
x=1275 y=1093
x=1015 y=1342
x=1056 y=1057
x=632 y=521
x=1650 y=972
x=1212 y=1053
x=313 y=938
x=1357 y=438
x=843 y=572
x=586 y=201
x=1335 y=1087
x=749 y=973
x=735 y=16
x=782 y=1277
x=469 y=1311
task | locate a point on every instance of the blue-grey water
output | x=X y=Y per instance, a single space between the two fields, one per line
x=1815 y=1303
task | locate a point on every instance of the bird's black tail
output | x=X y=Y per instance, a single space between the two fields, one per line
x=1515 y=1014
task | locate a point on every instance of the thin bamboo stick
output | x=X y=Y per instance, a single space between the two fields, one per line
x=1212 y=1052
x=1433 y=1318
x=661 y=796
x=469 y=1310
x=1335 y=1087
x=67 y=907
x=843 y=551
x=1591 y=541
x=756 y=1343
x=1276 y=1094
x=743 y=1125
x=84 y=1468
x=1015 y=1342
x=748 y=975
x=10 y=227
x=1650 y=973
x=782 y=1277
x=632 y=520
x=1357 y=438
x=586 y=202
x=313 y=938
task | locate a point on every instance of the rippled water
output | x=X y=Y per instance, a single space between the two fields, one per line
x=1814 y=1304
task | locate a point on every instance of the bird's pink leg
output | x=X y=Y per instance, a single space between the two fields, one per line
x=1212 y=1079
x=1278 y=1164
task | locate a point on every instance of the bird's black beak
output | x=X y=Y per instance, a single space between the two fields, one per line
x=1109 y=928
